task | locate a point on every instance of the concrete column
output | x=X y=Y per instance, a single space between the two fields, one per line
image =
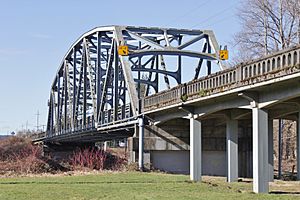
x=195 y=150
x=260 y=151
x=232 y=150
x=105 y=146
x=298 y=147
x=141 y=144
x=270 y=150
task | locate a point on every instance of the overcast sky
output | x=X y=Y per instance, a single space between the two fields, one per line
x=35 y=35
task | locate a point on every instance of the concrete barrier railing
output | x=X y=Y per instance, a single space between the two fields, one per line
x=275 y=65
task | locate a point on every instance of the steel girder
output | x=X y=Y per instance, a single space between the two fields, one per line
x=95 y=86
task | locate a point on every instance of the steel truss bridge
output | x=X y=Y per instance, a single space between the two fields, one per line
x=97 y=91
x=113 y=78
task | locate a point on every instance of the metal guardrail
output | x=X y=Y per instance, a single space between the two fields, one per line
x=275 y=65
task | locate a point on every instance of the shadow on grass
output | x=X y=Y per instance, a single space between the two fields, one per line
x=86 y=182
x=283 y=192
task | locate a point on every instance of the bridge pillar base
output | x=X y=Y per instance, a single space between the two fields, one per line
x=195 y=150
x=260 y=151
x=232 y=150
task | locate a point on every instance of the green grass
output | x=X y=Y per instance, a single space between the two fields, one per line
x=127 y=185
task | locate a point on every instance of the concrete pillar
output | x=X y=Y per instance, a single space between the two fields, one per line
x=195 y=150
x=298 y=147
x=232 y=150
x=270 y=150
x=260 y=151
x=105 y=146
x=141 y=144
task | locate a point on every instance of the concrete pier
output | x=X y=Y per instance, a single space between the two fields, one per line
x=195 y=150
x=232 y=150
x=260 y=150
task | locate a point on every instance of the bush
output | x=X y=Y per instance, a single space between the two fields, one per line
x=19 y=155
x=98 y=159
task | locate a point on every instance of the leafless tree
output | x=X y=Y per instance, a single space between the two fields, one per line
x=267 y=26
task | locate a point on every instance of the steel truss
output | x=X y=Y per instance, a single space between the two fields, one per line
x=95 y=86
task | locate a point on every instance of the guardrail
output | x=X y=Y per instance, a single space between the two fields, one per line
x=279 y=64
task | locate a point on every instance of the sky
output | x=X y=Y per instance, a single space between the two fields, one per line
x=36 y=34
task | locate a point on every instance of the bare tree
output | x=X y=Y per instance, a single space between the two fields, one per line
x=267 y=26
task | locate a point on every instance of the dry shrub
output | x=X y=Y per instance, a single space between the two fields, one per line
x=20 y=156
x=98 y=159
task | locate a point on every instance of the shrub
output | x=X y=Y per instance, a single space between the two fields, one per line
x=98 y=159
x=20 y=156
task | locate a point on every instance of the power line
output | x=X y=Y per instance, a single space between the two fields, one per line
x=188 y=12
x=214 y=15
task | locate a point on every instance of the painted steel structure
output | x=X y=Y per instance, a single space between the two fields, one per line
x=97 y=90
x=95 y=86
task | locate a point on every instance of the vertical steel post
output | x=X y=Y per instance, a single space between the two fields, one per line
x=116 y=83
x=99 y=75
x=208 y=61
x=74 y=88
x=179 y=62
x=58 y=104
x=65 y=97
x=84 y=85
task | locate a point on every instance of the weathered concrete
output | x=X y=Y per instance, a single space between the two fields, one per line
x=260 y=151
x=141 y=143
x=195 y=150
x=232 y=150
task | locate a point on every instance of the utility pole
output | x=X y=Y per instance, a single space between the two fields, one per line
x=37 y=120
x=26 y=126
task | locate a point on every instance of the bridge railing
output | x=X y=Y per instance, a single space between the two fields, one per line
x=275 y=65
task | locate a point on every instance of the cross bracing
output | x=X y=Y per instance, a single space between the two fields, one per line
x=95 y=86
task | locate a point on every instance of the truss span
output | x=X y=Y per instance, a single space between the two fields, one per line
x=96 y=87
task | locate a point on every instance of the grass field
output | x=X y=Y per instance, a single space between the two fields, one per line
x=132 y=185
